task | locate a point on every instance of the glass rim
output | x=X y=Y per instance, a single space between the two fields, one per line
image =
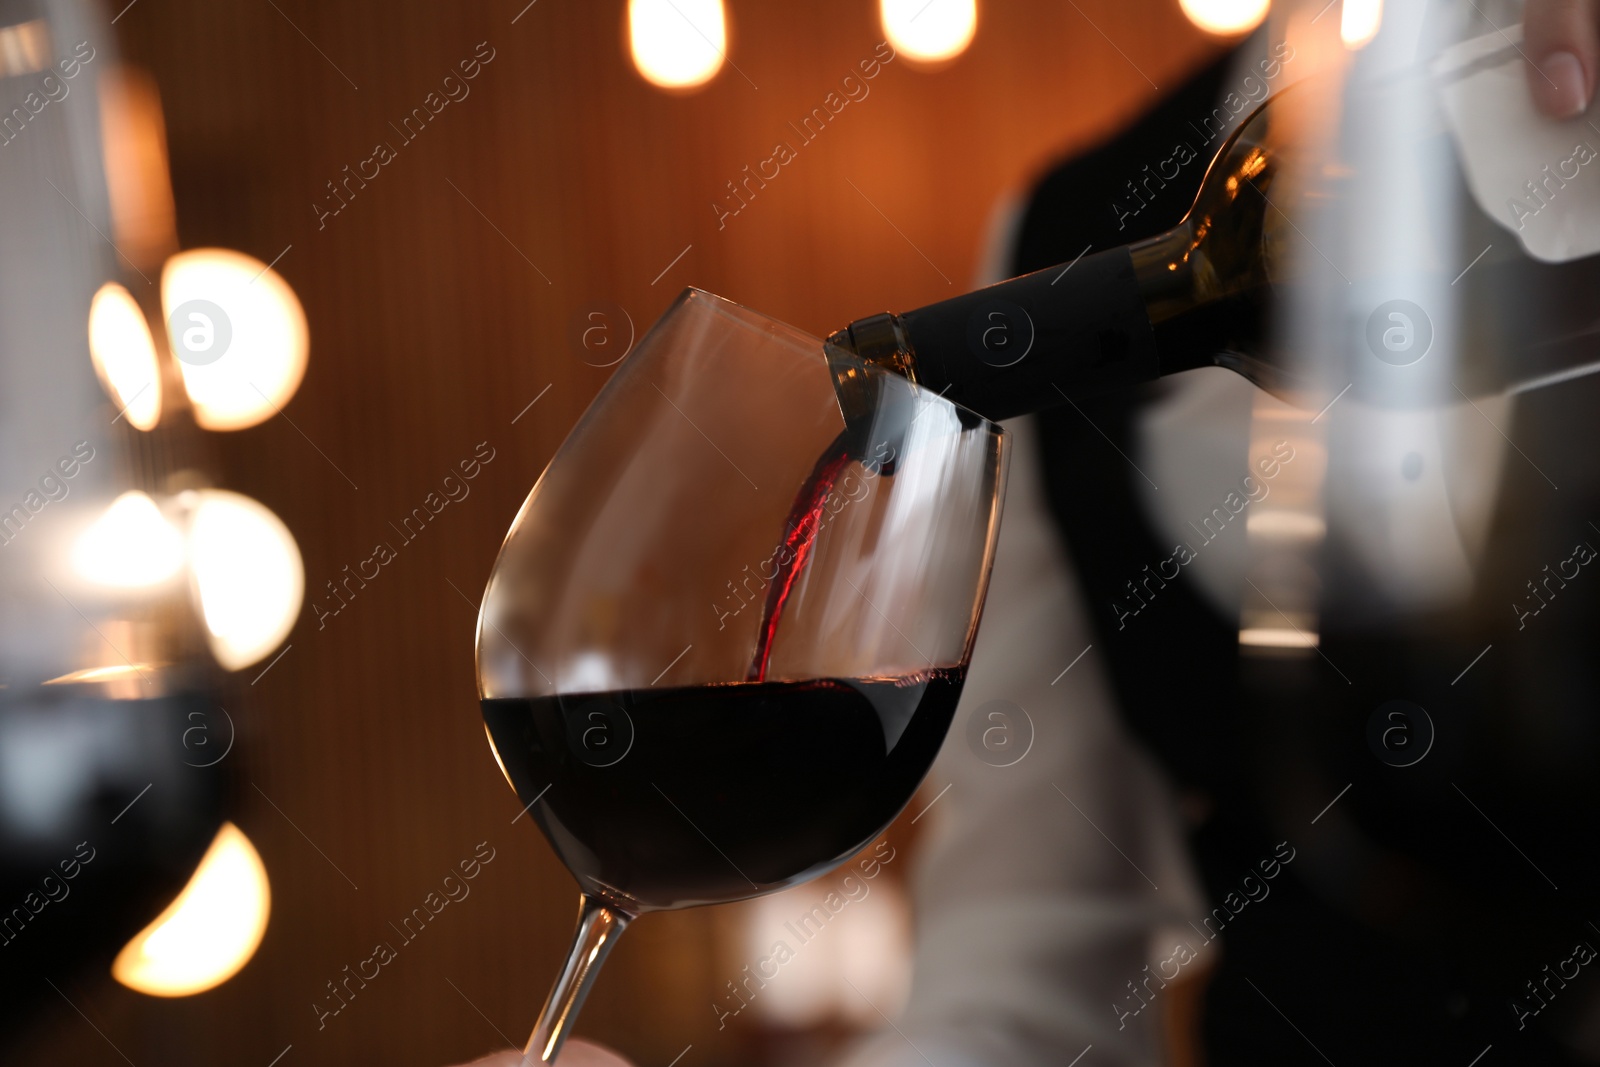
x=810 y=344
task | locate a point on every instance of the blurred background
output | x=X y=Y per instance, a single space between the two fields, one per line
x=466 y=302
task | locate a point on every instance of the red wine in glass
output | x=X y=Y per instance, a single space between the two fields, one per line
x=667 y=798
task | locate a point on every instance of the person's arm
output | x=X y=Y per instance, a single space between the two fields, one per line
x=1561 y=39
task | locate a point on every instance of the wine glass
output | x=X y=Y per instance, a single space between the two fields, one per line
x=726 y=633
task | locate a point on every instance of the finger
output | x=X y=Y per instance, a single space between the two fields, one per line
x=578 y=1053
x=1563 y=49
x=575 y=1053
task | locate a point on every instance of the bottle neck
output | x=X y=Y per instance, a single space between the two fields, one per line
x=1164 y=269
x=1105 y=321
x=1200 y=315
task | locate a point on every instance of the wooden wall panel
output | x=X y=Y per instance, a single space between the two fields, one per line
x=430 y=330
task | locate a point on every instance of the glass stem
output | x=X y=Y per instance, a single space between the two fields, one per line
x=598 y=929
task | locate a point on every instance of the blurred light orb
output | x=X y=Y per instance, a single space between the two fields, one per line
x=1359 y=21
x=124 y=355
x=243 y=353
x=677 y=44
x=130 y=546
x=929 y=30
x=248 y=576
x=1226 y=18
x=210 y=931
x=1277 y=637
x=835 y=974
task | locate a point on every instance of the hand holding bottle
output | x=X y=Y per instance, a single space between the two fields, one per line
x=1561 y=39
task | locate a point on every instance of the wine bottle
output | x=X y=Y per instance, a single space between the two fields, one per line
x=1203 y=294
x=1193 y=296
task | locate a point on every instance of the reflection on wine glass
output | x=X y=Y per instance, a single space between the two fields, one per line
x=726 y=634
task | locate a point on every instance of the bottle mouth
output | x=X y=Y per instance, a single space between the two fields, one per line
x=880 y=340
x=880 y=397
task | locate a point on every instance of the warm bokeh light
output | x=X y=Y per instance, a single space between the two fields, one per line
x=24 y=48
x=209 y=932
x=133 y=137
x=131 y=546
x=859 y=961
x=1359 y=21
x=241 y=342
x=117 y=672
x=1287 y=524
x=1276 y=637
x=118 y=681
x=1226 y=18
x=247 y=573
x=677 y=44
x=124 y=355
x=929 y=30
